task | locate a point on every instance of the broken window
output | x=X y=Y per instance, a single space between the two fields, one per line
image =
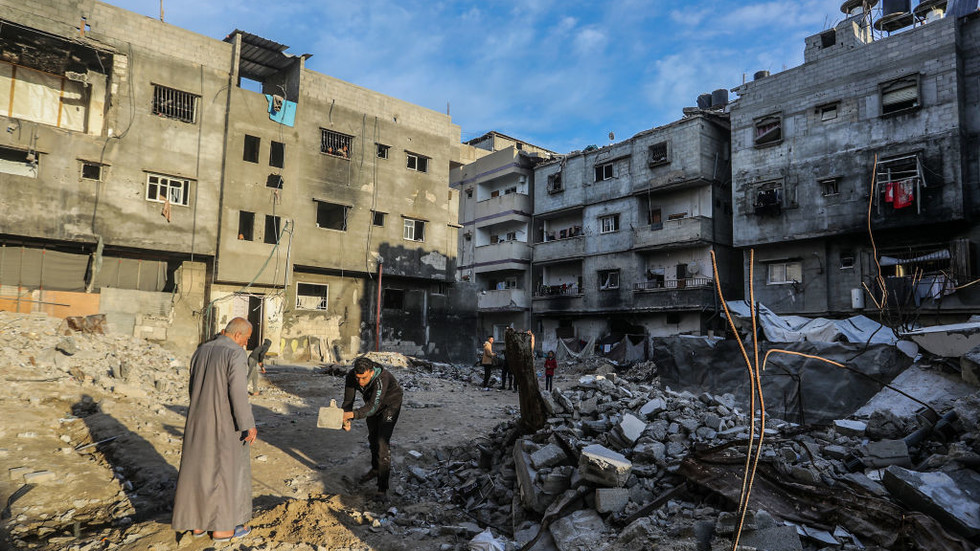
x=846 y=260
x=469 y=192
x=768 y=130
x=603 y=172
x=174 y=104
x=654 y=219
x=414 y=230
x=164 y=189
x=393 y=299
x=769 y=199
x=608 y=279
x=658 y=155
x=335 y=143
x=311 y=296
x=277 y=154
x=274 y=181
x=251 y=152
x=900 y=95
x=91 y=171
x=510 y=190
x=784 y=272
x=331 y=216
x=246 y=225
x=378 y=218
x=382 y=150
x=554 y=183
x=417 y=162
x=609 y=223
x=19 y=162
x=827 y=112
x=272 y=226
x=830 y=186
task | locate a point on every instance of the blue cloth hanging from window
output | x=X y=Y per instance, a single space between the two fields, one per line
x=281 y=110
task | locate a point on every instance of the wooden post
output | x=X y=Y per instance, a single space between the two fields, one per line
x=520 y=361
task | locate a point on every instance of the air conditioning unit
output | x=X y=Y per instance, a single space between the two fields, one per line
x=522 y=179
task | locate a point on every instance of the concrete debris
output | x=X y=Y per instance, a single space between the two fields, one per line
x=938 y=495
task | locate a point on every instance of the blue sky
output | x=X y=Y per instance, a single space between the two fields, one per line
x=560 y=74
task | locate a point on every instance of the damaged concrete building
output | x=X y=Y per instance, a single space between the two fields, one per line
x=623 y=233
x=184 y=180
x=878 y=122
x=495 y=209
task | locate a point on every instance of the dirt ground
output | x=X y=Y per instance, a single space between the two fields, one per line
x=303 y=486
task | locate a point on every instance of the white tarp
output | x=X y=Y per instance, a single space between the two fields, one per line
x=564 y=353
x=776 y=328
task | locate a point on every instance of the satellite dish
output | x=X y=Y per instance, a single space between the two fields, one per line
x=612 y=136
x=693 y=268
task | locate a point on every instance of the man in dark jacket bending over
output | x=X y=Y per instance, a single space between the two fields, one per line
x=382 y=403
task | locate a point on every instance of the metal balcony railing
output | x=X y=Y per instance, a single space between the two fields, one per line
x=671 y=284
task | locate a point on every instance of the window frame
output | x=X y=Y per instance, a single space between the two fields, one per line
x=185 y=188
x=322 y=208
x=658 y=160
x=895 y=85
x=415 y=229
x=374 y=218
x=248 y=235
x=421 y=163
x=833 y=184
x=614 y=218
x=608 y=276
x=847 y=260
x=601 y=170
x=324 y=304
x=785 y=264
x=83 y=164
x=277 y=229
x=555 y=184
x=160 y=93
x=761 y=126
x=281 y=157
x=251 y=147
x=332 y=142
x=382 y=151
x=823 y=110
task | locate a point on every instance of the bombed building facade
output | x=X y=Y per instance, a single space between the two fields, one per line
x=172 y=181
x=875 y=132
x=623 y=235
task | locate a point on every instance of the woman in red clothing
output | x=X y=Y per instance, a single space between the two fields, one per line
x=550 y=363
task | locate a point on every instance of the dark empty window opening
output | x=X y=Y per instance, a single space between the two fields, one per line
x=378 y=219
x=274 y=181
x=608 y=279
x=251 y=150
x=393 y=299
x=331 y=216
x=654 y=219
x=174 y=104
x=830 y=186
x=469 y=192
x=277 y=154
x=272 y=224
x=900 y=95
x=382 y=150
x=769 y=199
x=246 y=225
x=658 y=154
x=846 y=260
x=417 y=162
x=554 y=183
x=335 y=143
x=92 y=171
x=768 y=130
x=673 y=318
x=19 y=162
x=603 y=172
x=828 y=38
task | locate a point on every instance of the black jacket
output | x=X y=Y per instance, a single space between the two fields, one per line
x=380 y=394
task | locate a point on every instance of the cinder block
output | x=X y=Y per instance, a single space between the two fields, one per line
x=548 y=456
x=603 y=466
x=611 y=500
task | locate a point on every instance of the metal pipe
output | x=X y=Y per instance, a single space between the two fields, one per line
x=377 y=320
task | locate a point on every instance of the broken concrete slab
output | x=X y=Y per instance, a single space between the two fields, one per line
x=532 y=495
x=611 y=500
x=970 y=366
x=885 y=452
x=582 y=529
x=40 y=477
x=778 y=538
x=936 y=494
x=548 y=456
x=850 y=427
x=653 y=407
x=603 y=466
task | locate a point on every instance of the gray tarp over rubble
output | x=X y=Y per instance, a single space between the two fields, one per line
x=796 y=389
x=782 y=329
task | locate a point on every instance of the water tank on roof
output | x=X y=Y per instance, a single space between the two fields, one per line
x=895 y=15
x=889 y=7
x=854 y=7
x=704 y=101
x=760 y=75
x=719 y=98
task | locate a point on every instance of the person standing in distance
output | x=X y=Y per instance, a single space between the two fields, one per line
x=382 y=403
x=214 y=483
x=487 y=361
x=256 y=361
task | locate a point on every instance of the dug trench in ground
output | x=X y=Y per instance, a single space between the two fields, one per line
x=607 y=472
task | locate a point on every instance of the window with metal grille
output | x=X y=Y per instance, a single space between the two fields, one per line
x=417 y=162
x=331 y=216
x=658 y=154
x=335 y=143
x=414 y=230
x=160 y=188
x=174 y=104
x=830 y=186
x=900 y=95
x=554 y=183
x=91 y=171
x=312 y=296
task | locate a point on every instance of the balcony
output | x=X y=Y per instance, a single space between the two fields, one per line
x=570 y=247
x=502 y=251
x=679 y=232
x=674 y=294
x=505 y=300
x=557 y=298
x=509 y=203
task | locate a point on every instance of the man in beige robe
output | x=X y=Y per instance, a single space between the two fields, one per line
x=214 y=484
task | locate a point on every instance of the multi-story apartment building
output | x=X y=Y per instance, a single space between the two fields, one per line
x=623 y=233
x=495 y=211
x=875 y=130
x=172 y=181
